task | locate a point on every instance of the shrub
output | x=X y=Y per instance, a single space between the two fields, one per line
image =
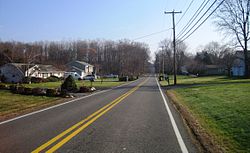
x=131 y=78
x=69 y=84
x=124 y=78
x=4 y=86
x=26 y=80
x=52 y=79
x=38 y=91
x=37 y=80
x=20 y=90
x=2 y=78
x=84 y=89
x=13 y=88
x=51 y=92
x=27 y=91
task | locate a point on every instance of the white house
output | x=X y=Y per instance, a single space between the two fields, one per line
x=81 y=68
x=238 y=68
x=15 y=72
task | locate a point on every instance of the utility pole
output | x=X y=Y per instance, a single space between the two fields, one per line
x=174 y=43
x=163 y=65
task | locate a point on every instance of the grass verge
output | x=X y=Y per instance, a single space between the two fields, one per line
x=221 y=110
x=189 y=80
x=107 y=83
x=15 y=104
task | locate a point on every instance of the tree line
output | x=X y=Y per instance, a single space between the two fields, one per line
x=213 y=53
x=232 y=18
x=123 y=57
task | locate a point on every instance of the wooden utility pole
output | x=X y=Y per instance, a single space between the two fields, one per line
x=174 y=43
x=163 y=64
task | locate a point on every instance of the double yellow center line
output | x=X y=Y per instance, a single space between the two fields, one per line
x=80 y=126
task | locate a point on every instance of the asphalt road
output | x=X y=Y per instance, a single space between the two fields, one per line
x=128 y=119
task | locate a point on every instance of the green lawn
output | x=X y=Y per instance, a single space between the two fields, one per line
x=187 y=80
x=222 y=109
x=107 y=83
x=15 y=104
x=12 y=104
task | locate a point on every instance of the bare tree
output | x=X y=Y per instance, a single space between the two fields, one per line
x=227 y=57
x=233 y=18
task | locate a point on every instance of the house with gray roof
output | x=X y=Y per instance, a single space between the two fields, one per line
x=16 y=72
x=81 y=68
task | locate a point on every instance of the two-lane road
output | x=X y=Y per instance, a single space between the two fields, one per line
x=133 y=118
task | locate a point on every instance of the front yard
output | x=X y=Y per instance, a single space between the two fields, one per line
x=12 y=105
x=222 y=108
x=107 y=83
x=15 y=104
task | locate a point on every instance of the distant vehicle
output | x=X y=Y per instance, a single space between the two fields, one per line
x=89 y=77
x=110 y=76
x=75 y=75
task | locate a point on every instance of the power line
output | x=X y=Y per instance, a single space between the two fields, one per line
x=152 y=34
x=196 y=14
x=185 y=12
x=203 y=21
x=198 y=20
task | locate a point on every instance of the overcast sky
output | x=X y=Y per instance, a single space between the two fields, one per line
x=35 y=20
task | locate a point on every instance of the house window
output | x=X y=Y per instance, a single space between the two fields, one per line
x=0 y=71
x=13 y=75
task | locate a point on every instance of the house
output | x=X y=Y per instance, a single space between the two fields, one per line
x=16 y=72
x=238 y=68
x=214 y=70
x=45 y=71
x=81 y=68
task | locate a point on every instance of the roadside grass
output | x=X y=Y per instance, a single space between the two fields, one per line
x=223 y=110
x=106 y=83
x=189 y=80
x=13 y=104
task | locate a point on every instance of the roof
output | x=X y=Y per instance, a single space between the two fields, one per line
x=48 y=68
x=44 y=68
x=214 y=66
x=22 y=66
x=83 y=63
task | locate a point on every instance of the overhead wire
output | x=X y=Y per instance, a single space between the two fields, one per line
x=152 y=34
x=202 y=21
x=184 y=12
x=180 y=37
x=192 y=19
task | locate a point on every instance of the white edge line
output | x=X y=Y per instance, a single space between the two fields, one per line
x=176 y=130
x=45 y=109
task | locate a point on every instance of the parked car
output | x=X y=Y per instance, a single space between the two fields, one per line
x=89 y=77
x=73 y=74
x=110 y=76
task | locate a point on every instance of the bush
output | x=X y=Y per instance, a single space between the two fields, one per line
x=37 y=80
x=38 y=91
x=27 y=91
x=51 y=92
x=131 y=78
x=4 y=86
x=20 y=90
x=124 y=78
x=84 y=89
x=69 y=84
x=2 y=78
x=52 y=79
x=26 y=80
x=13 y=88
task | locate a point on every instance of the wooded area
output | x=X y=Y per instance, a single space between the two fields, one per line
x=123 y=57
